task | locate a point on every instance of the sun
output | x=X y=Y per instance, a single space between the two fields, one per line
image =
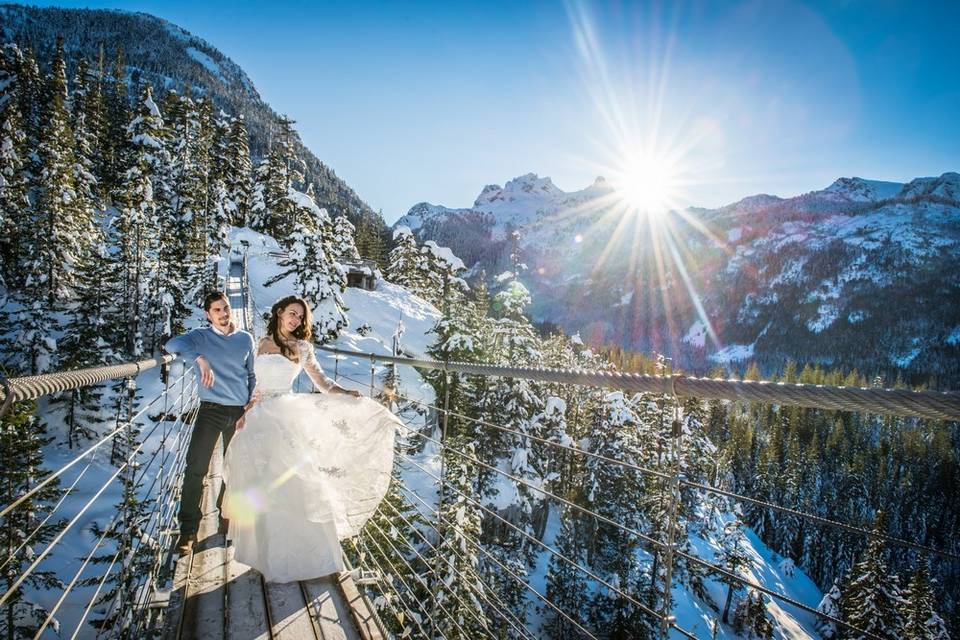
x=647 y=184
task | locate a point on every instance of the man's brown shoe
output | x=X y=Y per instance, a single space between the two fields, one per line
x=185 y=543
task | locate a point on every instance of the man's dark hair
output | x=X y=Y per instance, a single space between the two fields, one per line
x=212 y=297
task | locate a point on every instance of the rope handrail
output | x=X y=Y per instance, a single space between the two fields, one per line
x=33 y=387
x=937 y=405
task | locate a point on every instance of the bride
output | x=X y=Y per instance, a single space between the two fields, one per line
x=307 y=470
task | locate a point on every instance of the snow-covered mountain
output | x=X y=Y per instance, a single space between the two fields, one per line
x=860 y=274
x=168 y=57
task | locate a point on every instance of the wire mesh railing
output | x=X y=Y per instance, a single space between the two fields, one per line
x=670 y=549
x=153 y=479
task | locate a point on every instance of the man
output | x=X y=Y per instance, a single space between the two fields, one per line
x=224 y=358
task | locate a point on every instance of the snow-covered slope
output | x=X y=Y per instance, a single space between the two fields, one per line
x=860 y=274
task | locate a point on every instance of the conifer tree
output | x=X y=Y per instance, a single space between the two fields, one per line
x=921 y=620
x=455 y=555
x=83 y=104
x=22 y=437
x=239 y=173
x=750 y=620
x=31 y=96
x=139 y=226
x=92 y=337
x=14 y=170
x=733 y=558
x=344 y=247
x=566 y=584
x=318 y=278
x=829 y=605
x=871 y=596
x=403 y=267
x=59 y=227
x=115 y=144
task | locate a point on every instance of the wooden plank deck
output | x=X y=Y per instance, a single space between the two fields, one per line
x=215 y=597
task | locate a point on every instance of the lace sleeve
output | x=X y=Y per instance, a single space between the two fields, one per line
x=308 y=360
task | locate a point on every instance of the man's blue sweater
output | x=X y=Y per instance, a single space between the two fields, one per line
x=230 y=357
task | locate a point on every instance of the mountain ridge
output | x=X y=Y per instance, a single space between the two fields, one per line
x=774 y=278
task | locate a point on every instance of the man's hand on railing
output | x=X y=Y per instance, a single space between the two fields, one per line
x=206 y=373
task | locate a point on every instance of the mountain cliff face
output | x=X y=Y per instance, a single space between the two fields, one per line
x=168 y=57
x=862 y=274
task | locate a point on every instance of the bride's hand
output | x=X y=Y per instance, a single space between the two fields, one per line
x=353 y=392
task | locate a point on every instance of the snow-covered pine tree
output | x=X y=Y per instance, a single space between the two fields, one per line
x=921 y=620
x=733 y=557
x=370 y=242
x=273 y=212
x=441 y=271
x=82 y=105
x=566 y=584
x=750 y=620
x=455 y=556
x=59 y=228
x=91 y=339
x=14 y=170
x=139 y=228
x=31 y=95
x=344 y=247
x=318 y=278
x=116 y=141
x=549 y=461
x=22 y=437
x=829 y=605
x=403 y=267
x=185 y=258
x=238 y=173
x=129 y=535
x=610 y=490
x=871 y=595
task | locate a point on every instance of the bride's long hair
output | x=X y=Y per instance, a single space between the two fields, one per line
x=303 y=332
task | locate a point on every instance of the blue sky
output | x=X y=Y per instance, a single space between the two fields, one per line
x=430 y=101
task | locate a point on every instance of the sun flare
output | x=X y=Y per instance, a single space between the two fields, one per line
x=647 y=184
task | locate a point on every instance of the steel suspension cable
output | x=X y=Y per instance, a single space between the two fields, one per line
x=33 y=387
x=662 y=545
x=644 y=608
x=820 y=520
x=512 y=620
x=400 y=599
x=96 y=594
x=937 y=405
x=482 y=621
x=27 y=540
x=33 y=565
x=76 y=576
x=480 y=548
x=650 y=540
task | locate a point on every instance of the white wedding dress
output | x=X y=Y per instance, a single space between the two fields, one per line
x=305 y=472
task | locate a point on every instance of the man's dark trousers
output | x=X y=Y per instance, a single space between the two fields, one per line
x=213 y=421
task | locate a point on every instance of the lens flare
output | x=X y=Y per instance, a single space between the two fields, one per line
x=647 y=184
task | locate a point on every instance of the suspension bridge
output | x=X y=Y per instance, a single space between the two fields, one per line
x=210 y=595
